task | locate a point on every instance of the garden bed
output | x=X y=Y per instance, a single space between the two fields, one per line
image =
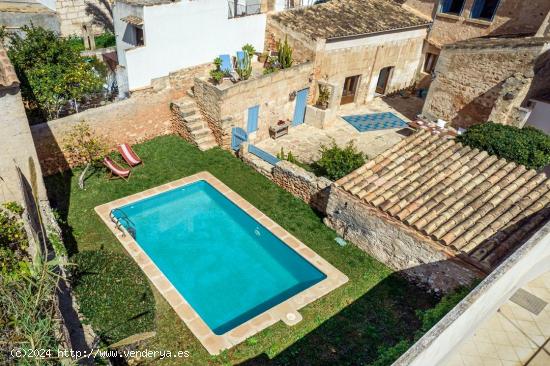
x=356 y=324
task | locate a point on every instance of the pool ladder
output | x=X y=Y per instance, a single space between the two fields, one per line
x=130 y=227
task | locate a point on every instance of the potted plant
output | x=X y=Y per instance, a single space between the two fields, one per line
x=248 y=48
x=217 y=74
x=324 y=96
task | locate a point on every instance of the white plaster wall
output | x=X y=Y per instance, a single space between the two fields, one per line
x=189 y=33
x=540 y=117
x=527 y=263
x=125 y=38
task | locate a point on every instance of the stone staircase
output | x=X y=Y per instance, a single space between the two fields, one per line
x=189 y=124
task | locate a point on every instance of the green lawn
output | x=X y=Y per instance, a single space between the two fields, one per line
x=352 y=325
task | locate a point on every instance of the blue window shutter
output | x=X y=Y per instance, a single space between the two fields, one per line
x=253 y=114
x=300 y=108
x=445 y=6
x=477 y=8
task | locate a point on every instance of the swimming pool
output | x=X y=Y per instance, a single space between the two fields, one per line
x=236 y=269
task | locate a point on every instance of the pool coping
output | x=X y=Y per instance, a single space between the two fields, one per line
x=287 y=311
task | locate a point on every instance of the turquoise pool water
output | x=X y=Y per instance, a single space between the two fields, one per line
x=226 y=265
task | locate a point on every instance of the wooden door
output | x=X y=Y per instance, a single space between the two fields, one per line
x=383 y=79
x=350 y=88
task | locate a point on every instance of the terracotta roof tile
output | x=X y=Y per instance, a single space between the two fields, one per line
x=347 y=18
x=464 y=199
x=8 y=78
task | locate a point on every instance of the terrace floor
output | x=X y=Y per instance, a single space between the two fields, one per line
x=513 y=336
x=358 y=323
x=305 y=141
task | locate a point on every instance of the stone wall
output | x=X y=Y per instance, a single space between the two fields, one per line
x=512 y=17
x=507 y=107
x=397 y=246
x=366 y=57
x=469 y=79
x=305 y=185
x=73 y=13
x=132 y=120
x=17 y=149
x=302 y=184
x=227 y=107
x=303 y=48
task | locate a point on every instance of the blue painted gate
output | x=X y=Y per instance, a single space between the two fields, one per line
x=252 y=124
x=238 y=136
x=300 y=110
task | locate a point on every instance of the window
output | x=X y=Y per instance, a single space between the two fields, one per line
x=139 y=36
x=451 y=6
x=484 y=9
x=431 y=61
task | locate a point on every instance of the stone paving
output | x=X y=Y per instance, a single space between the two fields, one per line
x=305 y=141
x=512 y=336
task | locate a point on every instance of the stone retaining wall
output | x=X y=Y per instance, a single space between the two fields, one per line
x=398 y=247
x=305 y=185
x=302 y=184
x=146 y=114
x=132 y=120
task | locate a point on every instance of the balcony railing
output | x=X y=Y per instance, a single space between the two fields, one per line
x=243 y=8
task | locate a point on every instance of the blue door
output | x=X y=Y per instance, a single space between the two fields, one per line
x=252 y=124
x=300 y=111
x=238 y=136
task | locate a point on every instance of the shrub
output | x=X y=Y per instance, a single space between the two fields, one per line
x=51 y=70
x=83 y=147
x=527 y=146
x=113 y=294
x=14 y=259
x=337 y=162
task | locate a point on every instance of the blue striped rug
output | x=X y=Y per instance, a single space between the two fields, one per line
x=375 y=121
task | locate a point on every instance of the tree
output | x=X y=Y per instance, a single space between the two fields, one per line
x=83 y=148
x=51 y=71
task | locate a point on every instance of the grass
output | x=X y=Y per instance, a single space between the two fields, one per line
x=375 y=310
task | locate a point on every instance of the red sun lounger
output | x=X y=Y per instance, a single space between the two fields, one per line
x=129 y=155
x=115 y=170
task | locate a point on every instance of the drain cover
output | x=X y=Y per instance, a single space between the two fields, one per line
x=528 y=301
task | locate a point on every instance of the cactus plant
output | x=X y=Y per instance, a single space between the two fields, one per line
x=244 y=67
x=285 y=54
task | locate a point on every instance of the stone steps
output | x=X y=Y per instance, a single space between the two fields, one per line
x=197 y=130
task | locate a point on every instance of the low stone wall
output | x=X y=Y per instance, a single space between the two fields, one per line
x=388 y=241
x=132 y=120
x=302 y=184
x=306 y=186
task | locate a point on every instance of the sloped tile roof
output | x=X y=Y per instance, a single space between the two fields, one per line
x=8 y=78
x=132 y=19
x=462 y=198
x=348 y=18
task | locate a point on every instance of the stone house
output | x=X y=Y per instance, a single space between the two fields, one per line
x=489 y=79
x=458 y=20
x=359 y=48
x=156 y=37
x=441 y=213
